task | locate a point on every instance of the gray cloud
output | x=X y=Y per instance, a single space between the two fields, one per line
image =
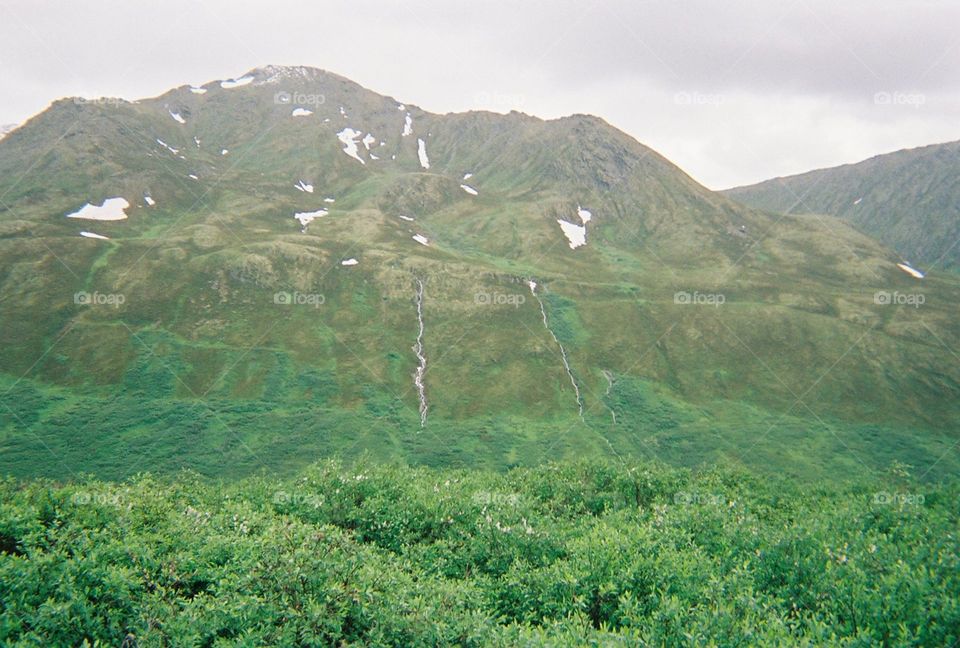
x=733 y=92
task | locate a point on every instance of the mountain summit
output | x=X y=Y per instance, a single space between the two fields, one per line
x=263 y=270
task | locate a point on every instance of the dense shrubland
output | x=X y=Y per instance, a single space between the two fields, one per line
x=562 y=554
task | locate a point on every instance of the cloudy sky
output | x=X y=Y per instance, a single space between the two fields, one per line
x=734 y=92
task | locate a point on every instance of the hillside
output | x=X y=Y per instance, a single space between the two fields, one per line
x=909 y=200
x=306 y=268
x=559 y=555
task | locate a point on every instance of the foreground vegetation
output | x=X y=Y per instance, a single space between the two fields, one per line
x=562 y=554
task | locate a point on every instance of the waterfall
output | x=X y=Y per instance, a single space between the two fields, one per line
x=563 y=352
x=421 y=359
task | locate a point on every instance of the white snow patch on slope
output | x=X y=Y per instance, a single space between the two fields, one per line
x=421 y=239
x=196 y=140
x=349 y=138
x=110 y=210
x=193 y=175
x=150 y=201
x=911 y=271
x=467 y=176
x=236 y=83
x=406 y=218
x=329 y=200
x=304 y=186
x=343 y=112
x=224 y=151
x=857 y=201
x=95 y=236
x=349 y=262
x=407 y=126
x=306 y=217
x=584 y=215
x=470 y=190
x=177 y=117
x=422 y=154
x=196 y=90
x=576 y=234
x=167 y=146
x=401 y=107
x=368 y=140
x=301 y=112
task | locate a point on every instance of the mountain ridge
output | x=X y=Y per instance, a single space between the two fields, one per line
x=680 y=323
x=908 y=199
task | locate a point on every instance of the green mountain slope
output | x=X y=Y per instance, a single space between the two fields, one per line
x=214 y=331
x=910 y=200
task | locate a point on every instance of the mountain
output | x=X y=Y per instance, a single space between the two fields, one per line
x=6 y=128
x=909 y=200
x=306 y=268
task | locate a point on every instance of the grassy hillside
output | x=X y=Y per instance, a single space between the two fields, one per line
x=209 y=332
x=910 y=200
x=564 y=554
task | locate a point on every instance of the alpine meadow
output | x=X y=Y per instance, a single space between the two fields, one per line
x=287 y=361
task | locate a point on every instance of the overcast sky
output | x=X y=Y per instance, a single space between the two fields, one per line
x=733 y=92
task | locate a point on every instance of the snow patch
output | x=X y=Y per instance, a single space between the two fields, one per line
x=349 y=138
x=349 y=262
x=467 y=176
x=407 y=126
x=421 y=239
x=422 y=154
x=857 y=201
x=576 y=234
x=584 y=215
x=176 y=116
x=301 y=112
x=401 y=107
x=167 y=146
x=236 y=83
x=304 y=186
x=196 y=140
x=329 y=200
x=150 y=201
x=368 y=139
x=192 y=175
x=306 y=217
x=112 y=209
x=406 y=218
x=911 y=271
x=224 y=151
x=95 y=236
x=196 y=90
x=470 y=190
